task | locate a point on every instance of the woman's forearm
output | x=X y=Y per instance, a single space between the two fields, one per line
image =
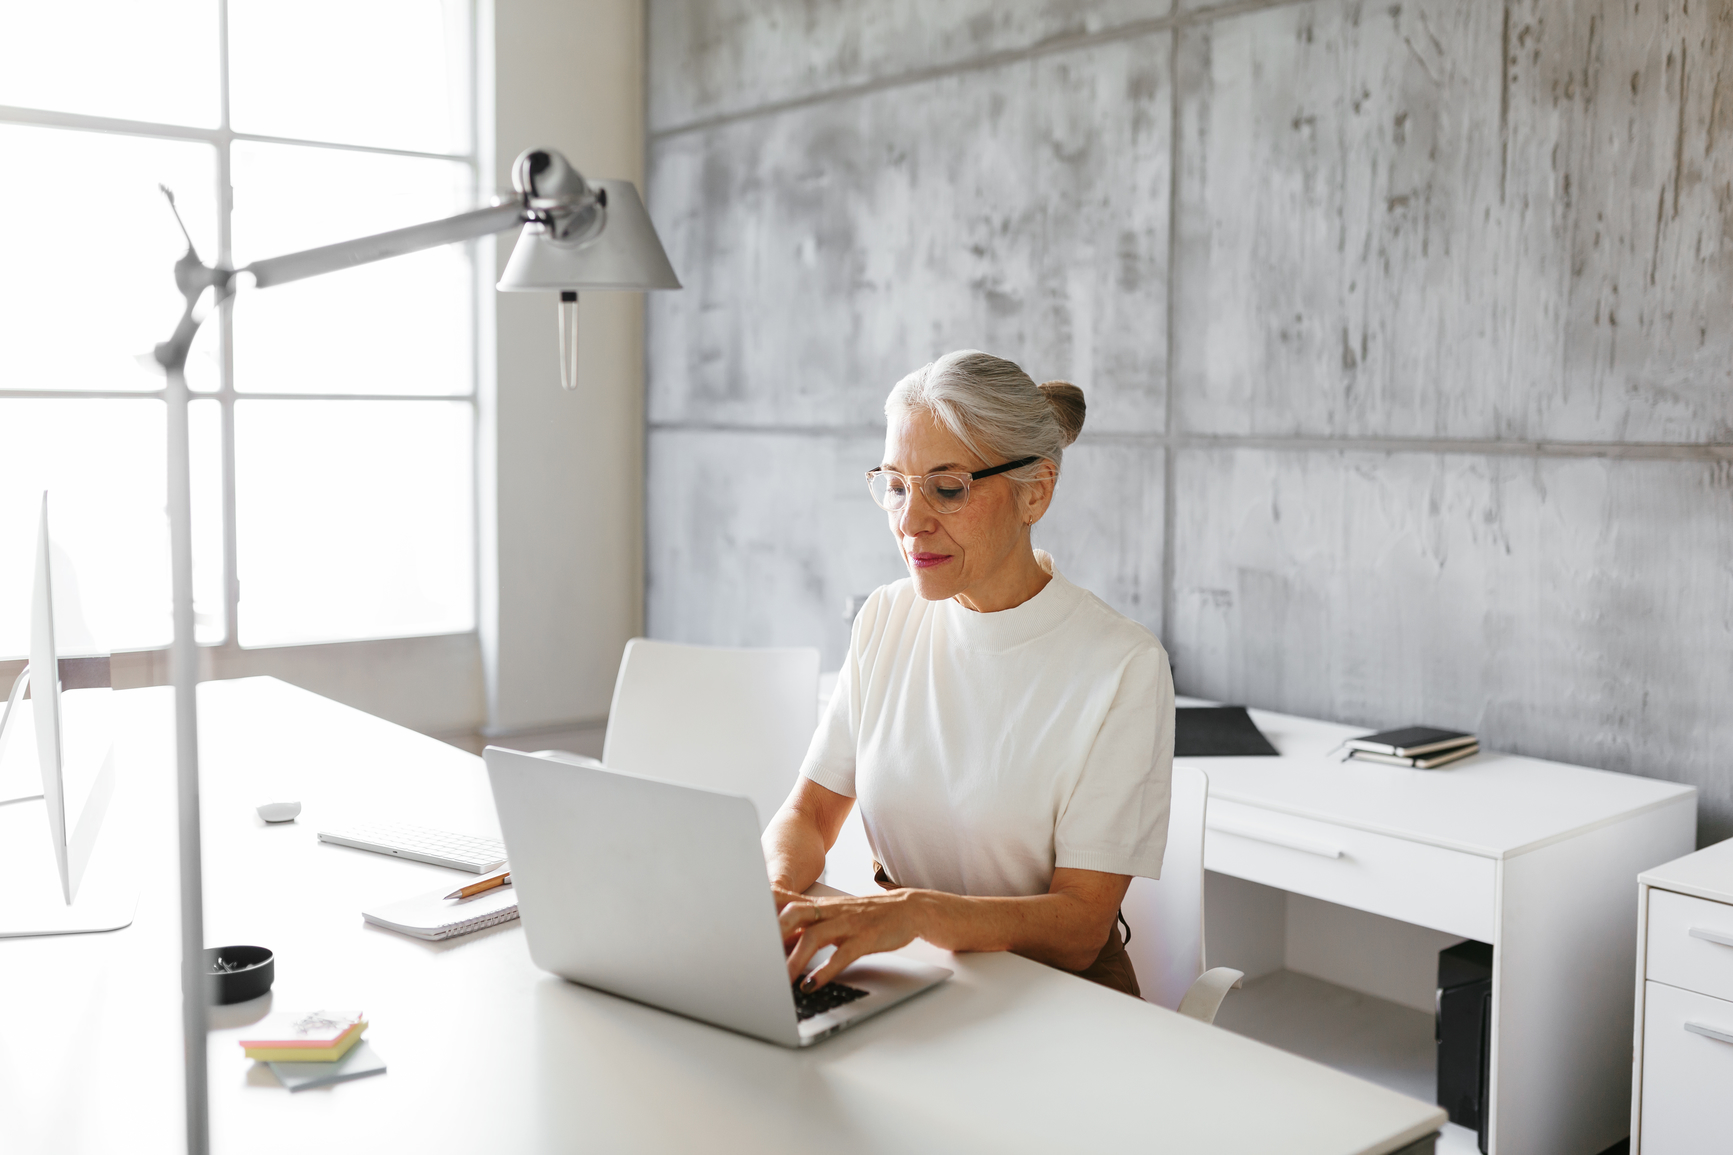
x=1064 y=929
x=793 y=851
x=798 y=837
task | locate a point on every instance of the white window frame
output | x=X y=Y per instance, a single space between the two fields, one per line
x=229 y=657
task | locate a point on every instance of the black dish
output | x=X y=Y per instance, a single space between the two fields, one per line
x=235 y=974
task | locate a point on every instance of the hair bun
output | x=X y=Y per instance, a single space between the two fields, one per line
x=1067 y=402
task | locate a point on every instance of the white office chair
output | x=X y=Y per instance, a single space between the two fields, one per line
x=727 y=719
x=1167 y=918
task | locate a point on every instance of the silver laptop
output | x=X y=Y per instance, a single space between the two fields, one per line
x=657 y=892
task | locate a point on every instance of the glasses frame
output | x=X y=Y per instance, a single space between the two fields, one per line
x=922 y=481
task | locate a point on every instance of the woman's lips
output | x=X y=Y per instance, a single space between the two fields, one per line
x=928 y=560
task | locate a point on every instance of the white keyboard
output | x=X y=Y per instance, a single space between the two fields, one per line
x=439 y=847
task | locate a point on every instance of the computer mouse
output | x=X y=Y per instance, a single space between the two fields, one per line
x=279 y=811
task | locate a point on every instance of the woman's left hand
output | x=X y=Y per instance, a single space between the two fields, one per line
x=855 y=926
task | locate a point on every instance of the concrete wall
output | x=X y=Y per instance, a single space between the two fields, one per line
x=1407 y=332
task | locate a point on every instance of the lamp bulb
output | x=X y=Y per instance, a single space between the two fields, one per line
x=569 y=339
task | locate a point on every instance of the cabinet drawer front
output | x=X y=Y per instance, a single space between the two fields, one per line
x=1427 y=885
x=1687 y=1070
x=1691 y=944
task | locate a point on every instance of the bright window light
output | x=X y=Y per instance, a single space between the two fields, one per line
x=399 y=326
x=149 y=60
x=104 y=464
x=349 y=492
x=389 y=73
x=63 y=324
x=356 y=519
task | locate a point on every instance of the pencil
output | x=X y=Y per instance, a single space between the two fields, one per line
x=476 y=888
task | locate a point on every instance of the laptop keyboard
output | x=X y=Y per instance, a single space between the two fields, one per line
x=825 y=998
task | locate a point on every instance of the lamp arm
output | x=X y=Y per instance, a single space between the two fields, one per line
x=204 y=287
x=380 y=246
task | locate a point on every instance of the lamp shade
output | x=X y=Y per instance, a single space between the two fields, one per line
x=625 y=255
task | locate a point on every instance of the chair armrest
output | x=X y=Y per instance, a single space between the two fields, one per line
x=1204 y=998
x=569 y=758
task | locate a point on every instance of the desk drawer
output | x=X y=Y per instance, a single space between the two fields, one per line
x=1427 y=885
x=1687 y=1069
x=1691 y=944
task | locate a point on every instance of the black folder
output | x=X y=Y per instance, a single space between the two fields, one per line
x=1218 y=732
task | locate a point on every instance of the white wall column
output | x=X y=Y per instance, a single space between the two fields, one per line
x=561 y=486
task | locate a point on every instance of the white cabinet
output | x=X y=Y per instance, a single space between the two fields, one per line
x=1682 y=1081
x=1687 y=1098
x=1690 y=944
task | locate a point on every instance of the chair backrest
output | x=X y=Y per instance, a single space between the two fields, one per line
x=727 y=719
x=1166 y=916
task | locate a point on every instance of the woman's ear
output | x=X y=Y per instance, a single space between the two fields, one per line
x=1038 y=494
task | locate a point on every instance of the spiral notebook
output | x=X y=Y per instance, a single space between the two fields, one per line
x=432 y=916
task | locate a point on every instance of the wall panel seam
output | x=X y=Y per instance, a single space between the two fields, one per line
x=1132 y=30
x=1642 y=450
x=1169 y=498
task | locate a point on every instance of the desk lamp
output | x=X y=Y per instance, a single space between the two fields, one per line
x=577 y=234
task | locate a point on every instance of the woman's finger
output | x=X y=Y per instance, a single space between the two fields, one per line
x=795 y=917
x=814 y=939
x=846 y=953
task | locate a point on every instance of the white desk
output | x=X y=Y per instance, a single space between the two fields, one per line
x=1538 y=858
x=488 y=1054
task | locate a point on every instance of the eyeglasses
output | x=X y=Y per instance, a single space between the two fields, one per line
x=945 y=492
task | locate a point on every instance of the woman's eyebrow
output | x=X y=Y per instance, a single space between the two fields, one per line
x=944 y=467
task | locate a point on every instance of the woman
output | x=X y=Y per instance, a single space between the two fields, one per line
x=1008 y=737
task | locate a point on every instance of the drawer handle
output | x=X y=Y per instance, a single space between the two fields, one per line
x=1274 y=837
x=1708 y=935
x=1715 y=1033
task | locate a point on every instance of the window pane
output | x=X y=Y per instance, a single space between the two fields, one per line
x=392 y=73
x=399 y=326
x=153 y=60
x=104 y=464
x=88 y=246
x=355 y=519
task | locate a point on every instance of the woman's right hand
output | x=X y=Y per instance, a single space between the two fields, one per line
x=854 y=926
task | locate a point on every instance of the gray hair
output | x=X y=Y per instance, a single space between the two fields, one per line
x=994 y=408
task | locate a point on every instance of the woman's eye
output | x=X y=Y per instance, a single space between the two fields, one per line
x=950 y=492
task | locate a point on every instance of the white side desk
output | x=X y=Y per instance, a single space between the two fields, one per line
x=488 y=1054
x=1537 y=858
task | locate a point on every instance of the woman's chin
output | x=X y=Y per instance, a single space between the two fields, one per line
x=933 y=586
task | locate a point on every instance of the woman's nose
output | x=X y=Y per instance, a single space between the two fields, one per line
x=916 y=516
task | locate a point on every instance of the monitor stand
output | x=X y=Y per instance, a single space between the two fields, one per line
x=31 y=900
x=31 y=903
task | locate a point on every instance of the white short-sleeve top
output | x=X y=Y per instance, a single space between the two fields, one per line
x=987 y=750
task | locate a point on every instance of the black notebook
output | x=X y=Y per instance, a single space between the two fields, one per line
x=1218 y=732
x=1411 y=741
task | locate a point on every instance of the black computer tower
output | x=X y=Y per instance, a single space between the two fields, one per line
x=1463 y=1031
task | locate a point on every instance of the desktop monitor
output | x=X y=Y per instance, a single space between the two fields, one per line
x=71 y=696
